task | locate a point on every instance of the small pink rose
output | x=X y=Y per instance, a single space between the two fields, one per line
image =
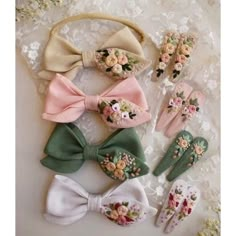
x=107 y=111
x=122 y=210
x=192 y=109
x=121 y=220
x=178 y=101
x=165 y=57
x=122 y=60
x=171 y=204
x=181 y=58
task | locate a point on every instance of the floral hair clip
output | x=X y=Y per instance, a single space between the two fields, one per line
x=174 y=104
x=170 y=43
x=191 y=107
x=120 y=57
x=67 y=150
x=193 y=154
x=123 y=105
x=183 y=152
x=180 y=203
x=124 y=204
x=184 y=50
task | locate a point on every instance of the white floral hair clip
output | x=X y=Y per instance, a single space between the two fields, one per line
x=180 y=203
x=124 y=204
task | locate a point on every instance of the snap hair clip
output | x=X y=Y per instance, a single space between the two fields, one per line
x=180 y=203
x=120 y=156
x=167 y=50
x=123 y=105
x=123 y=204
x=174 y=104
x=187 y=207
x=192 y=106
x=193 y=154
x=183 y=52
x=173 y=202
x=175 y=152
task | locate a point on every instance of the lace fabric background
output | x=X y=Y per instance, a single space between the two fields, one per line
x=201 y=17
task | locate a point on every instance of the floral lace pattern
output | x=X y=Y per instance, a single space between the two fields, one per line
x=190 y=109
x=176 y=102
x=116 y=62
x=120 y=167
x=123 y=213
x=115 y=111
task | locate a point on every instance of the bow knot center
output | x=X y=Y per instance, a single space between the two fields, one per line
x=88 y=58
x=94 y=202
x=91 y=102
x=90 y=152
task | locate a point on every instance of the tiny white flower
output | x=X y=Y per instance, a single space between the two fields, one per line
x=34 y=5
x=178 y=66
x=117 y=69
x=162 y=65
x=159 y=191
x=24 y=49
x=32 y=54
x=116 y=107
x=125 y=115
x=65 y=29
x=35 y=45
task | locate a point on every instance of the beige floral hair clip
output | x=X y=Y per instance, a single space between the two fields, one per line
x=175 y=52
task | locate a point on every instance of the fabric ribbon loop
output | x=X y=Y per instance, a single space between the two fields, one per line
x=88 y=58
x=91 y=102
x=94 y=202
x=90 y=152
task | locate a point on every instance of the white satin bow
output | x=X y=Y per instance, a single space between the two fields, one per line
x=124 y=204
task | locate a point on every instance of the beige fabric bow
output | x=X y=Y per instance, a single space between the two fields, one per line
x=120 y=57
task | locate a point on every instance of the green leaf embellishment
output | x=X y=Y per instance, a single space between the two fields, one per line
x=194 y=102
x=109 y=69
x=125 y=203
x=181 y=95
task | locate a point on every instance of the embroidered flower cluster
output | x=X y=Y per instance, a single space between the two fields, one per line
x=183 y=53
x=123 y=213
x=198 y=150
x=120 y=167
x=190 y=109
x=169 y=46
x=116 y=62
x=115 y=111
x=187 y=207
x=176 y=102
x=183 y=144
x=173 y=201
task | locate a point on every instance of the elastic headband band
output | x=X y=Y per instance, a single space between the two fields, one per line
x=101 y=16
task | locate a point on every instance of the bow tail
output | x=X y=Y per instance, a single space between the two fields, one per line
x=67 y=220
x=62 y=166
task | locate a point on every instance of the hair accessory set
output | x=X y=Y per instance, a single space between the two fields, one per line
x=123 y=105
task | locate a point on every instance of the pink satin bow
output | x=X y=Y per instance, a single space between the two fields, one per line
x=123 y=105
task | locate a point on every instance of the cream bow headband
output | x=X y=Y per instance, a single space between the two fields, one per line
x=120 y=57
x=125 y=204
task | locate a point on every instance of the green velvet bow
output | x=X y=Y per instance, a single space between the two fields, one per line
x=120 y=156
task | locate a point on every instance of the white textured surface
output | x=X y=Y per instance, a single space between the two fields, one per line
x=201 y=17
